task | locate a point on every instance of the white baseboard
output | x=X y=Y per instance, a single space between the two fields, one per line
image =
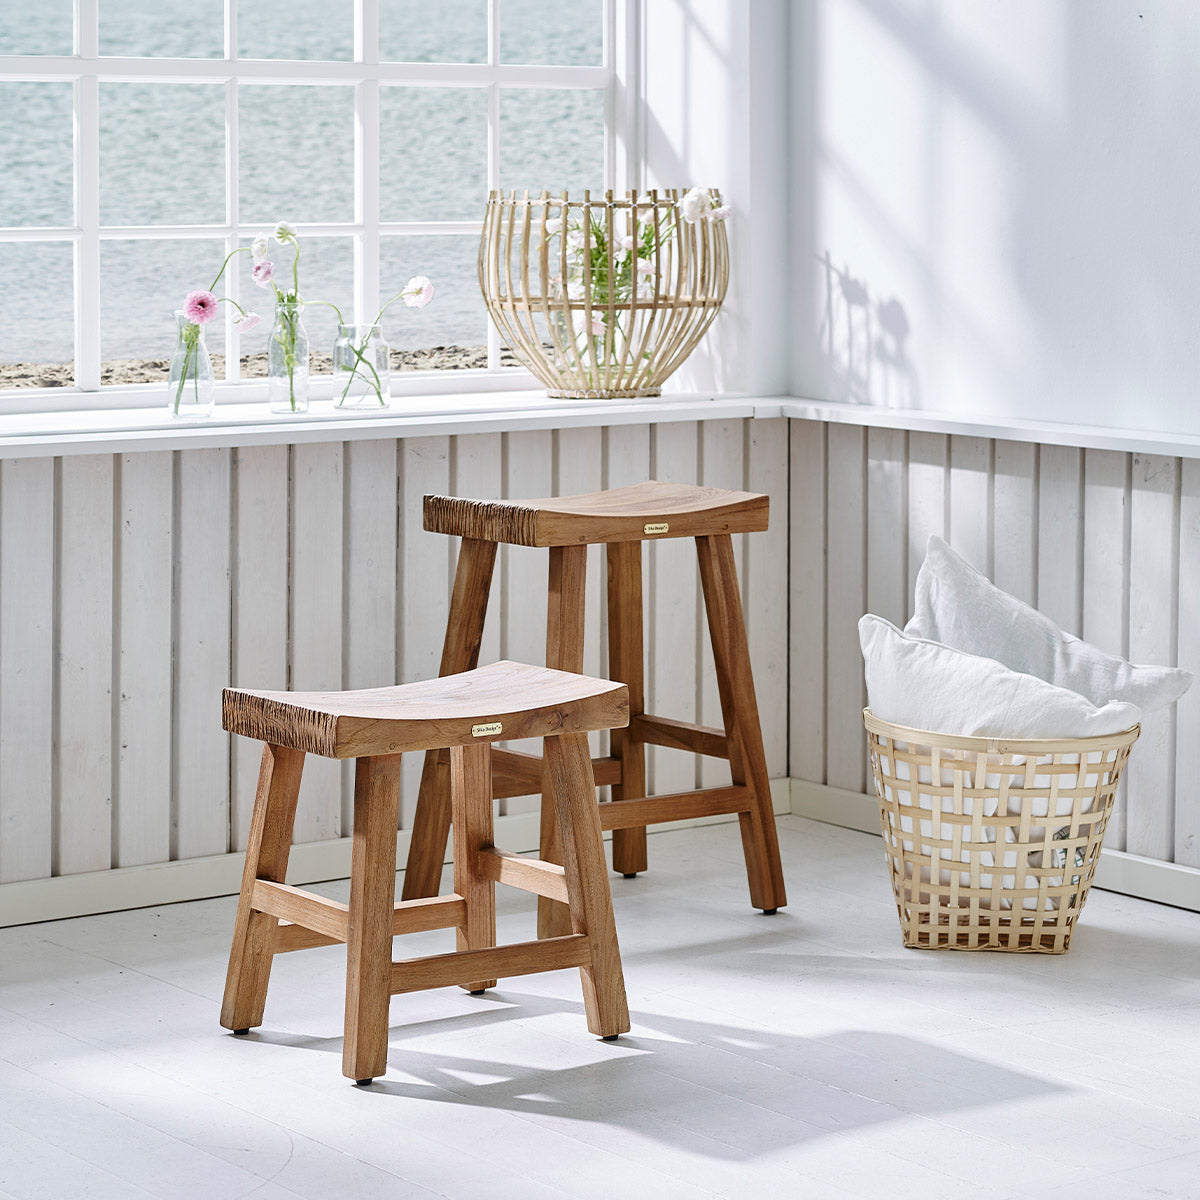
x=1129 y=874
x=29 y=901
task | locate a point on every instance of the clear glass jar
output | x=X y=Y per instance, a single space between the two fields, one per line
x=287 y=360
x=190 y=395
x=361 y=371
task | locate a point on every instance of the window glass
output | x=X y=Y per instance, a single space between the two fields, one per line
x=326 y=273
x=35 y=132
x=552 y=140
x=296 y=29
x=549 y=31
x=37 y=349
x=49 y=32
x=449 y=332
x=296 y=154
x=416 y=184
x=162 y=28
x=446 y=31
x=162 y=154
x=142 y=284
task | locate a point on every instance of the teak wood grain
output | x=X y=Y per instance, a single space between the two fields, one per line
x=615 y=515
x=433 y=713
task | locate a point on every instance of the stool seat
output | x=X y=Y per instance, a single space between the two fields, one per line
x=640 y=512
x=502 y=700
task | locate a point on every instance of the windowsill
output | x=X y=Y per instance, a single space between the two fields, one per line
x=123 y=430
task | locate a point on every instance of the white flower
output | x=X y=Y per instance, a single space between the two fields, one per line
x=627 y=242
x=720 y=213
x=284 y=233
x=259 y=247
x=695 y=204
x=419 y=292
x=575 y=238
x=553 y=226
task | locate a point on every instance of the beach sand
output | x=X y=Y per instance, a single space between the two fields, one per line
x=155 y=370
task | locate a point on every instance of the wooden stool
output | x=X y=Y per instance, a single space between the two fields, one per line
x=622 y=518
x=464 y=713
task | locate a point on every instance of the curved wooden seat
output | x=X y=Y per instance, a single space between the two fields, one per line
x=502 y=700
x=639 y=512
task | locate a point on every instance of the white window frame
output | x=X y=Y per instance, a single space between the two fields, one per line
x=618 y=77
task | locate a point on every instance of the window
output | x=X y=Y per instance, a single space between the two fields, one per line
x=145 y=139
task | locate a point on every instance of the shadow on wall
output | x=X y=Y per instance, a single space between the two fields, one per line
x=865 y=342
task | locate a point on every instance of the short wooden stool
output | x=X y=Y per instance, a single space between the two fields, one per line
x=622 y=518
x=463 y=713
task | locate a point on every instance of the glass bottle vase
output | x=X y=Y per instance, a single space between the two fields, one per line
x=361 y=371
x=190 y=384
x=287 y=360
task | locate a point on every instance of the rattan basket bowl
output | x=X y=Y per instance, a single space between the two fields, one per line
x=991 y=843
x=601 y=297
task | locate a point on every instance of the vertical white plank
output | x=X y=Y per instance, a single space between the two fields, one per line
x=200 y=757
x=808 y=551
x=424 y=571
x=845 y=603
x=1106 y=579
x=766 y=587
x=83 y=819
x=260 y=604
x=1060 y=535
x=672 y=613
x=1187 y=716
x=579 y=467
x=142 y=818
x=1014 y=521
x=887 y=532
x=528 y=473
x=27 y=678
x=722 y=465
x=1150 y=817
x=970 y=499
x=317 y=618
x=928 y=466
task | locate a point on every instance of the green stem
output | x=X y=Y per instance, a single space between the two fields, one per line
x=221 y=272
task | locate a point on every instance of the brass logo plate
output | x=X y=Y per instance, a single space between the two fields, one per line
x=656 y=527
x=489 y=730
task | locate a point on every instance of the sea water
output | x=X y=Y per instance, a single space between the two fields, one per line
x=162 y=163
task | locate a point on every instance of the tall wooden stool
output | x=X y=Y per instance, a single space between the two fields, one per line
x=464 y=713
x=622 y=518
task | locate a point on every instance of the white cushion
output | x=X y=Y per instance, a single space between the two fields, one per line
x=959 y=607
x=924 y=685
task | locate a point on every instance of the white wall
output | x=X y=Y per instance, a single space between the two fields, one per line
x=995 y=207
x=715 y=80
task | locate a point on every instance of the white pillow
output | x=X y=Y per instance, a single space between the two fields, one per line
x=925 y=685
x=959 y=607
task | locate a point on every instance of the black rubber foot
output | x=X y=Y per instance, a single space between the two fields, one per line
x=630 y=875
x=480 y=992
x=612 y=1037
x=241 y=1032
x=363 y=1082
x=769 y=912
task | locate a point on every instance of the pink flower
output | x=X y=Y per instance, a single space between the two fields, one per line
x=598 y=326
x=248 y=321
x=720 y=213
x=263 y=272
x=200 y=307
x=419 y=292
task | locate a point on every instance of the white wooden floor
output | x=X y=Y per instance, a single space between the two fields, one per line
x=806 y=1054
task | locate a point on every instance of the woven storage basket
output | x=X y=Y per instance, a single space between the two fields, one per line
x=601 y=297
x=992 y=844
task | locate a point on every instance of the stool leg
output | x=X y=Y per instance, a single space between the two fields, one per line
x=564 y=652
x=747 y=759
x=372 y=901
x=460 y=652
x=266 y=858
x=471 y=800
x=626 y=665
x=569 y=767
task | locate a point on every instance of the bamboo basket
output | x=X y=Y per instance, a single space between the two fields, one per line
x=589 y=316
x=992 y=844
